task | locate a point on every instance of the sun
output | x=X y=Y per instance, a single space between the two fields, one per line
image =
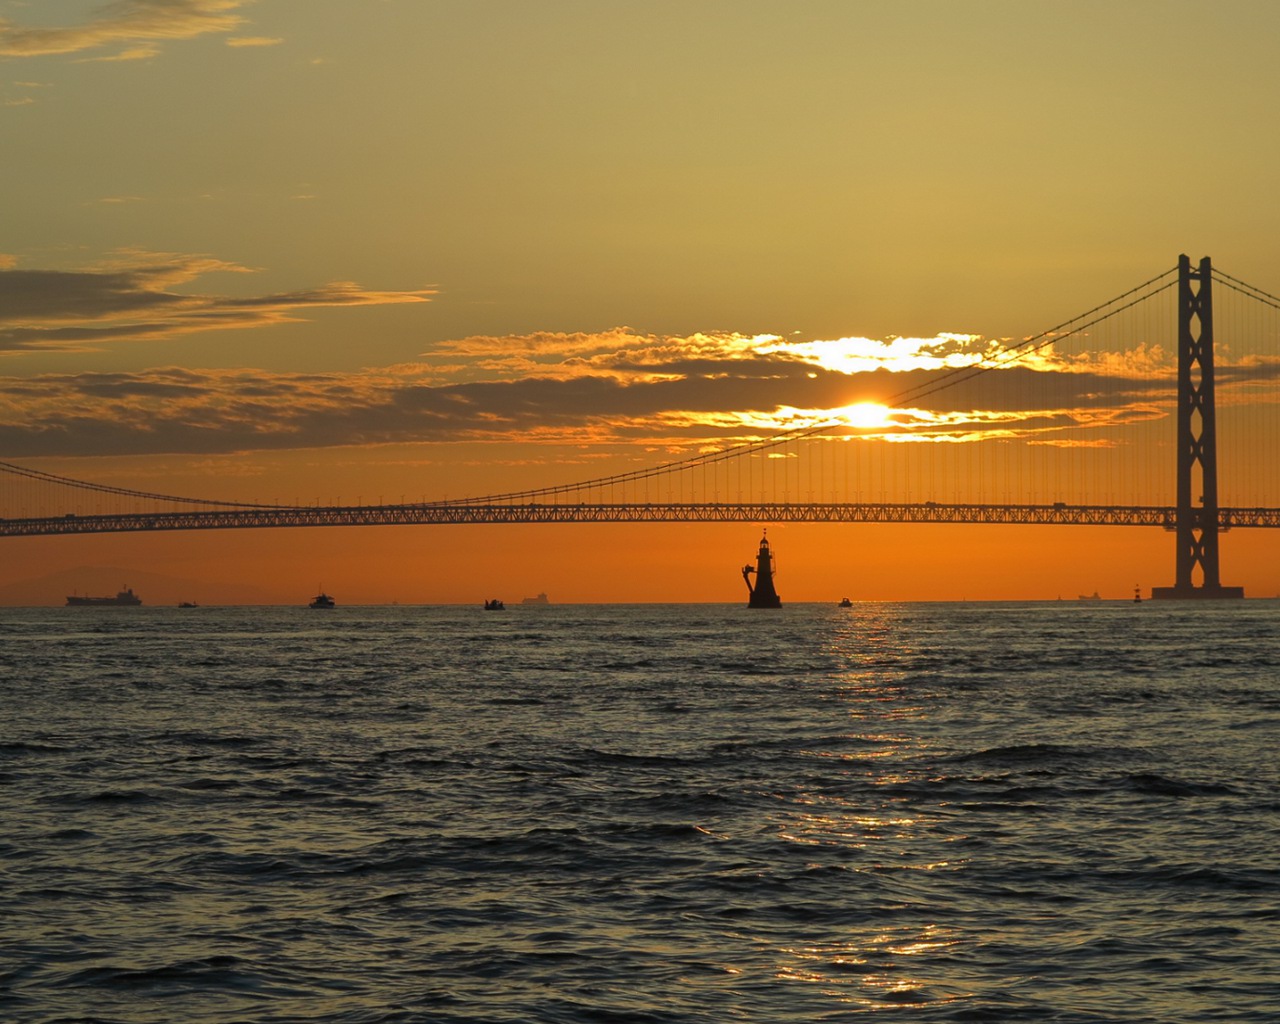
x=865 y=415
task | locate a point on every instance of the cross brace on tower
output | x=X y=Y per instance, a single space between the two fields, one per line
x=1197 y=511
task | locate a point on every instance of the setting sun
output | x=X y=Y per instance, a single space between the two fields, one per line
x=865 y=415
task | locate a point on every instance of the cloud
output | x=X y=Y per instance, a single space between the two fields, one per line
x=176 y=410
x=620 y=353
x=612 y=388
x=133 y=53
x=253 y=41
x=23 y=98
x=136 y=24
x=134 y=296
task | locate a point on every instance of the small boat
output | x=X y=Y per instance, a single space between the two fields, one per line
x=494 y=606
x=187 y=604
x=845 y=603
x=322 y=600
x=125 y=598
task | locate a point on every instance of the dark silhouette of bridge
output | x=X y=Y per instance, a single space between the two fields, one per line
x=1196 y=518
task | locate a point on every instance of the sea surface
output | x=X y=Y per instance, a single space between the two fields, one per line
x=1063 y=812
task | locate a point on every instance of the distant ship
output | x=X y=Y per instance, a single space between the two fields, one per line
x=125 y=598
x=322 y=600
x=540 y=599
x=1089 y=597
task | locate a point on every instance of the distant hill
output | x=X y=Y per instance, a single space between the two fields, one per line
x=105 y=581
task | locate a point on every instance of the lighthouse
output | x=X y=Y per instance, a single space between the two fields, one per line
x=762 y=595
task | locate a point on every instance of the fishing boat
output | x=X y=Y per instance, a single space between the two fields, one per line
x=845 y=603
x=124 y=598
x=322 y=600
x=494 y=605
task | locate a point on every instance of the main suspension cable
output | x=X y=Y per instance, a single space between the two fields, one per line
x=86 y=485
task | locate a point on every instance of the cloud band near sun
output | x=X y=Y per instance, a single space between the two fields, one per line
x=619 y=386
x=724 y=392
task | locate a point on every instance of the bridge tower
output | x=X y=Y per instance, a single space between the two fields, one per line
x=1196 y=523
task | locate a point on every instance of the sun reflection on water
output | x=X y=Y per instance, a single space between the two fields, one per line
x=884 y=969
x=872 y=806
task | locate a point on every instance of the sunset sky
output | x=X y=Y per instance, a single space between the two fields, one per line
x=384 y=250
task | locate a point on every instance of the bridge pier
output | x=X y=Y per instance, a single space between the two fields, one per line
x=1197 y=521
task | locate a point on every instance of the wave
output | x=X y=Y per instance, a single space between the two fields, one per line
x=1161 y=785
x=213 y=973
x=1024 y=754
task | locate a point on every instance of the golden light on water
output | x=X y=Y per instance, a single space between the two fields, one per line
x=880 y=969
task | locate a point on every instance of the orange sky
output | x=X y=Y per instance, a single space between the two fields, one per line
x=346 y=252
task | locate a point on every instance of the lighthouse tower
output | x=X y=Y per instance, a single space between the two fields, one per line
x=762 y=594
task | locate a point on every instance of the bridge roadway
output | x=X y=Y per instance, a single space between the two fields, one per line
x=458 y=513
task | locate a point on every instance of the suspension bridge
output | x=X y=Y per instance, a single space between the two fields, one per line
x=1096 y=421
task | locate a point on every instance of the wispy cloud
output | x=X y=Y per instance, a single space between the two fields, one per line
x=133 y=53
x=137 y=25
x=253 y=41
x=22 y=93
x=135 y=295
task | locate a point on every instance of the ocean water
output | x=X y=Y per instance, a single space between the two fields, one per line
x=1062 y=812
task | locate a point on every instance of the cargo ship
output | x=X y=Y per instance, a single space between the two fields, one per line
x=125 y=598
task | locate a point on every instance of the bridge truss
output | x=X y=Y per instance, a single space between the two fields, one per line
x=460 y=513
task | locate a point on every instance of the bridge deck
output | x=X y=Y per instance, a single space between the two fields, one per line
x=451 y=513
